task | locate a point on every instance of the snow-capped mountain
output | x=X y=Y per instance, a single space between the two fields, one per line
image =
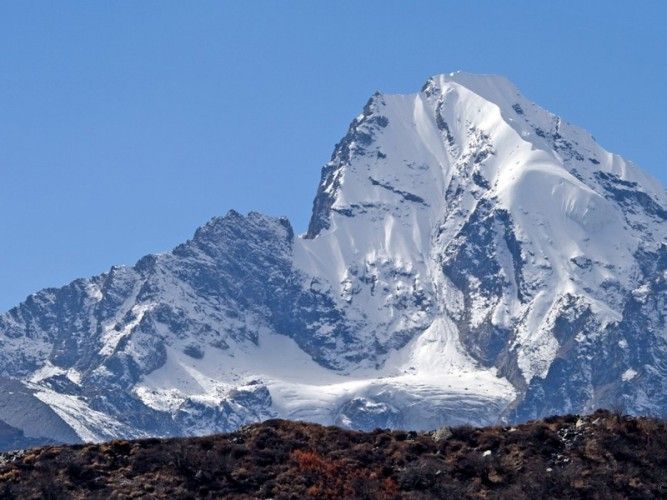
x=470 y=258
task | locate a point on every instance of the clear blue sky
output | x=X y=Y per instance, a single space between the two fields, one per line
x=124 y=125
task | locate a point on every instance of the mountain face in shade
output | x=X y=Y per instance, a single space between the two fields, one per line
x=471 y=258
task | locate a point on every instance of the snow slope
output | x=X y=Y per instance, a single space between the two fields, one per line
x=471 y=257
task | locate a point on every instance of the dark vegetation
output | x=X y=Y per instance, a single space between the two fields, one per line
x=603 y=455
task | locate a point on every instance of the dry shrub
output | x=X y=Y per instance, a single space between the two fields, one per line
x=605 y=456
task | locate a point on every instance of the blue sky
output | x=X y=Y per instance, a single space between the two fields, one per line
x=125 y=124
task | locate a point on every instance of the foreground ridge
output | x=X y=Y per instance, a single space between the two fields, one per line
x=602 y=455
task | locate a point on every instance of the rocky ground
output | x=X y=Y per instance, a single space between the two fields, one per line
x=603 y=455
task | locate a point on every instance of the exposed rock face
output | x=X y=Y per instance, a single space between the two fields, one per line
x=12 y=438
x=470 y=258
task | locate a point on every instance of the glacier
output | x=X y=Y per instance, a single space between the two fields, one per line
x=471 y=258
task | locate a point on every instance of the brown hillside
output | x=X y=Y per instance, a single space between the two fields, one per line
x=599 y=456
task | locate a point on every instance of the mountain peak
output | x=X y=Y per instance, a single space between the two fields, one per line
x=440 y=126
x=482 y=84
x=471 y=257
